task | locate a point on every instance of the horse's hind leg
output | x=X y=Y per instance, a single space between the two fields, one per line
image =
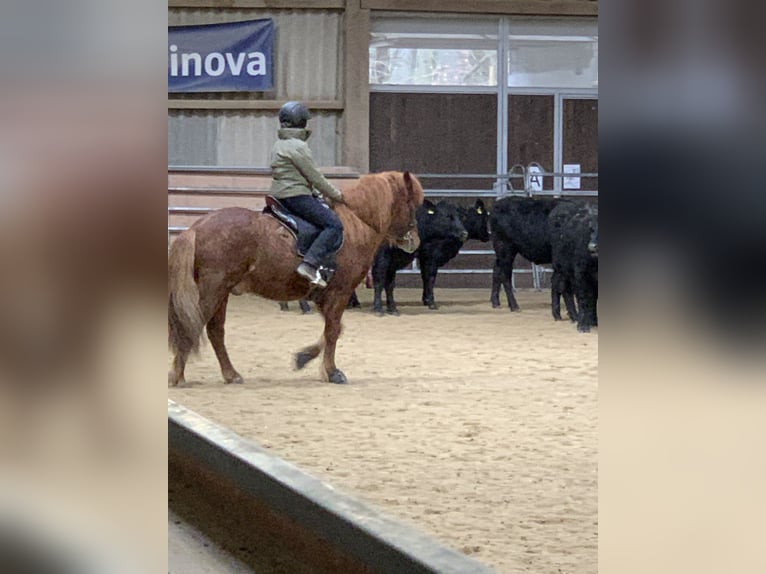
x=176 y=375
x=215 y=333
x=308 y=354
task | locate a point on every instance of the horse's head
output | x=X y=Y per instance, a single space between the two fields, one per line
x=404 y=224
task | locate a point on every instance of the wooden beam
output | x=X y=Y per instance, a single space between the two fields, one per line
x=269 y=4
x=232 y=104
x=527 y=7
x=356 y=87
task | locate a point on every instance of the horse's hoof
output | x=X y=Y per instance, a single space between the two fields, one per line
x=433 y=307
x=394 y=312
x=337 y=377
x=515 y=309
x=302 y=358
x=496 y=305
x=378 y=311
x=174 y=381
x=235 y=380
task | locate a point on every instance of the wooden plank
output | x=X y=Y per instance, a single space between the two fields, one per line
x=234 y=104
x=270 y=4
x=327 y=171
x=250 y=202
x=183 y=220
x=527 y=7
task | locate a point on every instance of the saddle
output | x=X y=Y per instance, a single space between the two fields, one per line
x=303 y=231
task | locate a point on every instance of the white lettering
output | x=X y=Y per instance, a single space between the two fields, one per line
x=193 y=57
x=173 y=60
x=235 y=67
x=215 y=63
x=257 y=64
x=220 y=67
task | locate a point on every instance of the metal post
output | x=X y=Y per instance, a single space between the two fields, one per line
x=503 y=32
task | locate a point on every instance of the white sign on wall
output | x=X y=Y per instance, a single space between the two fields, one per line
x=569 y=181
x=534 y=179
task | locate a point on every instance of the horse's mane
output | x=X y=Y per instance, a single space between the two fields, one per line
x=377 y=198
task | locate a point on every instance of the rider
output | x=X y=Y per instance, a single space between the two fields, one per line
x=295 y=182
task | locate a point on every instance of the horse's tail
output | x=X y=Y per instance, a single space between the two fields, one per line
x=185 y=321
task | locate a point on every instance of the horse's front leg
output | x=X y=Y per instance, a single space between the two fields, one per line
x=332 y=328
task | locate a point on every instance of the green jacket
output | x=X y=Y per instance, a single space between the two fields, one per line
x=293 y=169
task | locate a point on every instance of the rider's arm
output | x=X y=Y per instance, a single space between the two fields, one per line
x=304 y=161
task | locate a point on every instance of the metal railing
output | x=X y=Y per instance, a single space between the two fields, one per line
x=517 y=182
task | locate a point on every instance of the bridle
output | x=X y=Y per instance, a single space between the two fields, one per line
x=408 y=242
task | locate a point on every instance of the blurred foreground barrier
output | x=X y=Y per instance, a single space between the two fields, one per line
x=293 y=519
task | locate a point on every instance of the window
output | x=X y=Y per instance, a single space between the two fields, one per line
x=552 y=54
x=426 y=52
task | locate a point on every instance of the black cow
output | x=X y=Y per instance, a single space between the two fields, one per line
x=443 y=229
x=520 y=225
x=574 y=245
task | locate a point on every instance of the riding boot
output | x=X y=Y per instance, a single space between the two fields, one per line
x=308 y=271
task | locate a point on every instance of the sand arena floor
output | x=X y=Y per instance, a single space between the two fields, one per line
x=476 y=425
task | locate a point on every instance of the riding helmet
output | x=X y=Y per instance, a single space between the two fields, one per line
x=293 y=115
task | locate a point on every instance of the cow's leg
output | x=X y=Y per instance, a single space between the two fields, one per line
x=494 y=297
x=353 y=302
x=569 y=301
x=333 y=311
x=586 y=298
x=283 y=306
x=390 y=286
x=502 y=274
x=305 y=306
x=379 y=272
x=429 y=281
x=215 y=332
x=428 y=275
x=506 y=277
x=556 y=289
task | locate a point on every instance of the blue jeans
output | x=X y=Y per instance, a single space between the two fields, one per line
x=315 y=212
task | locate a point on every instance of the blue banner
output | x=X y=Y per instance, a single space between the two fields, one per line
x=235 y=57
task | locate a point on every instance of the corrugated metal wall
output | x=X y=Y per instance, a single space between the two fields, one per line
x=225 y=138
x=308 y=66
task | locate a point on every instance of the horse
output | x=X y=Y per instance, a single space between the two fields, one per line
x=239 y=250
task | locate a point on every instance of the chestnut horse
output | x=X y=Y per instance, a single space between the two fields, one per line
x=240 y=250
